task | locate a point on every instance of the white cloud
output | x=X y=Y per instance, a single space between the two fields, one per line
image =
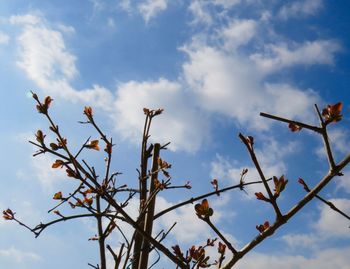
x=43 y=55
x=297 y=241
x=111 y=22
x=45 y=59
x=19 y=256
x=97 y=5
x=125 y=5
x=238 y=32
x=300 y=8
x=4 y=39
x=182 y=232
x=270 y=157
x=290 y=102
x=231 y=85
x=212 y=81
x=66 y=28
x=344 y=181
x=277 y=56
x=329 y=258
x=180 y=123
x=331 y=223
x=151 y=8
x=200 y=13
x=227 y=3
x=202 y=10
x=195 y=233
x=25 y=19
x=339 y=141
x=42 y=171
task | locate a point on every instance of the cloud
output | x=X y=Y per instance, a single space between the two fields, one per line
x=125 y=5
x=151 y=8
x=214 y=79
x=231 y=85
x=28 y=19
x=44 y=58
x=331 y=223
x=43 y=55
x=328 y=258
x=4 y=39
x=180 y=123
x=97 y=5
x=183 y=232
x=226 y=3
x=300 y=8
x=270 y=156
x=297 y=241
x=189 y=228
x=19 y=256
x=237 y=33
x=66 y=28
x=277 y=56
x=43 y=172
x=344 y=181
x=111 y=22
x=338 y=138
x=200 y=13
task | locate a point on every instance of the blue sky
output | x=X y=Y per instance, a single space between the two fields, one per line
x=213 y=66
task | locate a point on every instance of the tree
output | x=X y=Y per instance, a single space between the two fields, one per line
x=105 y=199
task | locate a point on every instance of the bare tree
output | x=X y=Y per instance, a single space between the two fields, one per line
x=105 y=197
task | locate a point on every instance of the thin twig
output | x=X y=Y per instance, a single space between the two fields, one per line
x=194 y=199
x=301 y=124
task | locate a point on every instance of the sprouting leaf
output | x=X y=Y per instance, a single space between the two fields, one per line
x=108 y=148
x=280 y=185
x=261 y=196
x=263 y=227
x=8 y=214
x=88 y=112
x=40 y=136
x=215 y=185
x=221 y=248
x=88 y=201
x=58 y=163
x=332 y=113
x=159 y=185
x=79 y=202
x=146 y=111
x=294 y=127
x=203 y=209
x=163 y=164
x=57 y=196
x=302 y=182
x=47 y=101
x=71 y=173
x=93 y=145
x=158 y=111
x=57 y=212
x=42 y=108
x=177 y=251
x=54 y=146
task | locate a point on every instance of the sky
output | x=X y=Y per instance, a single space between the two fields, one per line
x=213 y=65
